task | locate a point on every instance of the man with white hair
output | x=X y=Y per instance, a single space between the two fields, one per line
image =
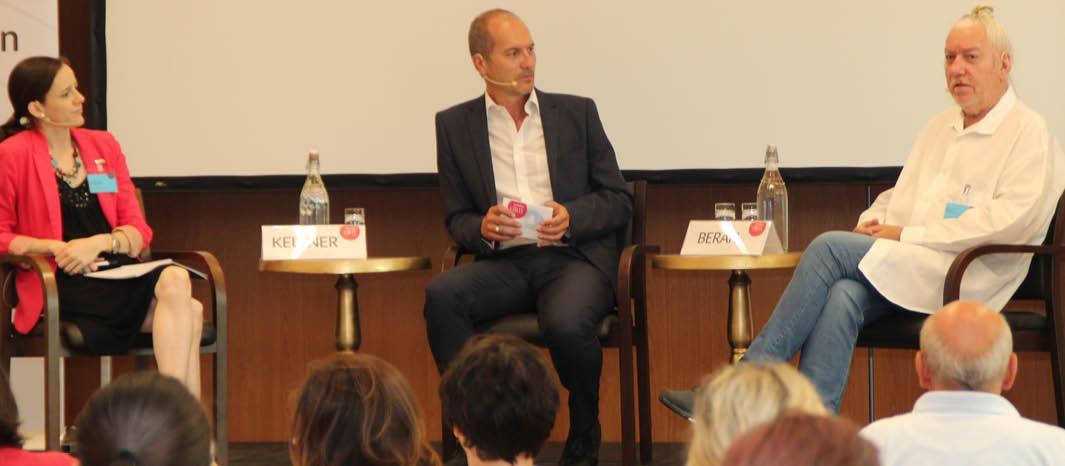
x=966 y=361
x=985 y=171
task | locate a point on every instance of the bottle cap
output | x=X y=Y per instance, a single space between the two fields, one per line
x=770 y=153
x=313 y=154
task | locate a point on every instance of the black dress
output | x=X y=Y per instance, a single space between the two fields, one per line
x=109 y=312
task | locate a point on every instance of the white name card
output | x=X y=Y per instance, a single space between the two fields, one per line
x=726 y=238
x=314 y=242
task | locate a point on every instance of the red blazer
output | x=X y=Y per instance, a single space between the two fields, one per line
x=29 y=201
x=19 y=457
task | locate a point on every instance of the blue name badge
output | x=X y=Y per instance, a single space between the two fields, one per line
x=102 y=183
x=954 y=210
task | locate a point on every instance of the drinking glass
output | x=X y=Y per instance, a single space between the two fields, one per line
x=354 y=216
x=749 y=211
x=725 y=211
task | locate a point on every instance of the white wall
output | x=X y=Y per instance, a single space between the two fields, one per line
x=28 y=29
x=245 y=87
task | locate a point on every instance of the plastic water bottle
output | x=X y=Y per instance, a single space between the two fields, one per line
x=773 y=196
x=314 y=200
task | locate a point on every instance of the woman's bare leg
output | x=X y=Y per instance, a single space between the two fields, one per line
x=172 y=319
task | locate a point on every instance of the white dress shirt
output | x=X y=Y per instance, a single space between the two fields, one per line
x=965 y=428
x=1007 y=167
x=519 y=157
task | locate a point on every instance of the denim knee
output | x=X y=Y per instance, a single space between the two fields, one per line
x=846 y=302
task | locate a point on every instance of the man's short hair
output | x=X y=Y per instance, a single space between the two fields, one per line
x=501 y=395
x=480 y=39
x=974 y=372
x=984 y=15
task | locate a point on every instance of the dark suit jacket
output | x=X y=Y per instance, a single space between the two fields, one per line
x=584 y=175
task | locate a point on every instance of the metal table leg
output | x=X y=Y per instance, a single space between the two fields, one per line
x=740 y=329
x=349 y=335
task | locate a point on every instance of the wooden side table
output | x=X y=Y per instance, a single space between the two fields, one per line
x=348 y=333
x=740 y=328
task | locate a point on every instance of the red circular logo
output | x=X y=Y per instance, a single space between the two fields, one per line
x=756 y=228
x=350 y=232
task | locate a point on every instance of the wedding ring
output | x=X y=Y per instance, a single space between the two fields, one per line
x=497 y=228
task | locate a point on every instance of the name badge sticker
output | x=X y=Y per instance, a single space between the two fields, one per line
x=954 y=210
x=102 y=183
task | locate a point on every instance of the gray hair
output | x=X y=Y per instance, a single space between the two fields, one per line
x=974 y=372
x=983 y=14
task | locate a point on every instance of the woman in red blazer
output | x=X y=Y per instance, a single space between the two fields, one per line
x=65 y=192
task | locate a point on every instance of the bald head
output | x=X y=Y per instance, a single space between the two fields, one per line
x=967 y=346
x=480 y=36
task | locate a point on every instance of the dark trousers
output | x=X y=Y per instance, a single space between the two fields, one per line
x=568 y=293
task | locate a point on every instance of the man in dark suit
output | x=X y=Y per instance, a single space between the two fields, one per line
x=538 y=148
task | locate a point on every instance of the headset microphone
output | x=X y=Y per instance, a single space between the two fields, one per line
x=500 y=83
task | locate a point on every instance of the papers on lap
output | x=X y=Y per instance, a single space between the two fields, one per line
x=137 y=270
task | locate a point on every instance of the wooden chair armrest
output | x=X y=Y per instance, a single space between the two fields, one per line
x=207 y=263
x=452 y=256
x=952 y=284
x=40 y=265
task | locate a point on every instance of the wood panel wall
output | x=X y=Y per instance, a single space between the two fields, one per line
x=279 y=322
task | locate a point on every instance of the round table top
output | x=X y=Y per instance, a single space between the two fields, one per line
x=769 y=261
x=346 y=266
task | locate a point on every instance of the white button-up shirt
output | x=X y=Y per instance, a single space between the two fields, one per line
x=1007 y=167
x=519 y=157
x=965 y=428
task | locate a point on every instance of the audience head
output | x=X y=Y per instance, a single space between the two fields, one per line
x=28 y=86
x=144 y=419
x=9 y=419
x=500 y=398
x=735 y=398
x=966 y=346
x=978 y=60
x=800 y=439
x=357 y=409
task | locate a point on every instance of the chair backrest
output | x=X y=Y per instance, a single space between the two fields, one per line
x=1035 y=283
x=635 y=232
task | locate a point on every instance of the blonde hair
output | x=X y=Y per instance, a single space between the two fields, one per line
x=983 y=14
x=736 y=398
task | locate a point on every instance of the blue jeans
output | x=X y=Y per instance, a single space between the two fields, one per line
x=821 y=311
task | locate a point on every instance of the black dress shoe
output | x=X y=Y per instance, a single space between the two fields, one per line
x=681 y=402
x=582 y=449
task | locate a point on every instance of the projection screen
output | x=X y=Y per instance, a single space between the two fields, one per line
x=246 y=88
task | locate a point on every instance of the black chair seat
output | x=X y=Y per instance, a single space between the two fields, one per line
x=527 y=327
x=903 y=329
x=74 y=340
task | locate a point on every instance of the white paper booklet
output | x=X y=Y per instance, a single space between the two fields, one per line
x=529 y=215
x=137 y=270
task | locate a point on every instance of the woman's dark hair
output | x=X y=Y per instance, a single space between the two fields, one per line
x=801 y=439
x=9 y=420
x=501 y=395
x=29 y=80
x=144 y=419
x=357 y=409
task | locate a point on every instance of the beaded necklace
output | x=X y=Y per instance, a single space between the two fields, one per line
x=70 y=177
